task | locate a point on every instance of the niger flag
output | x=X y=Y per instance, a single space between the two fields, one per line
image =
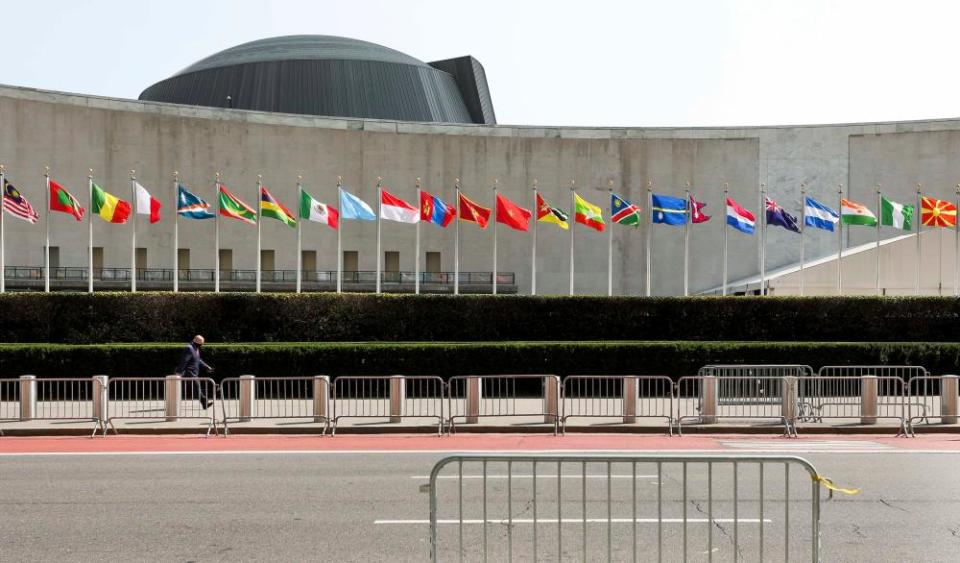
x=511 y=214
x=471 y=212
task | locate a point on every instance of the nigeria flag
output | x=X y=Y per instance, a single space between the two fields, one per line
x=896 y=215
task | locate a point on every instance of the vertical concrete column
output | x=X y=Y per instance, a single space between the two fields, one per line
x=630 y=395
x=172 y=391
x=398 y=392
x=868 y=399
x=551 y=399
x=789 y=397
x=100 y=397
x=473 y=399
x=248 y=397
x=708 y=400
x=28 y=397
x=321 y=397
x=949 y=397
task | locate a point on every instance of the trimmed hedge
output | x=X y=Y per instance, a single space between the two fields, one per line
x=74 y=318
x=445 y=359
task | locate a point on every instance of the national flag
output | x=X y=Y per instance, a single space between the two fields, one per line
x=818 y=215
x=668 y=210
x=61 y=200
x=392 y=208
x=191 y=206
x=549 y=214
x=313 y=210
x=896 y=215
x=352 y=207
x=739 y=218
x=109 y=207
x=852 y=213
x=623 y=212
x=937 y=212
x=587 y=213
x=473 y=213
x=777 y=215
x=435 y=210
x=696 y=211
x=270 y=207
x=147 y=204
x=234 y=207
x=511 y=214
x=15 y=204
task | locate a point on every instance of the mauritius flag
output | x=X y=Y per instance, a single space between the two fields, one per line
x=270 y=207
x=61 y=200
x=231 y=206
x=435 y=210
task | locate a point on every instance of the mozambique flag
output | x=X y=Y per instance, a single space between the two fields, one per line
x=624 y=212
x=231 y=206
x=937 y=212
x=587 y=213
x=270 y=207
x=549 y=214
x=108 y=206
x=61 y=200
x=472 y=212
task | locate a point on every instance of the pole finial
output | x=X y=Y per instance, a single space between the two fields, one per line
x=176 y=173
x=132 y=172
x=2 y=168
x=46 y=170
x=339 y=179
x=649 y=184
x=688 y=184
x=259 y=177
x=90 y=175
x=299 y=178
x=610 y=182
x=536 y=182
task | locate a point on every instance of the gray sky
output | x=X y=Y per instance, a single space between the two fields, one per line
x=597 y=62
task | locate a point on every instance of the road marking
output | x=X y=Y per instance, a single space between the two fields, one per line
x=856 y=446
x=579 y=521
x=539 y=476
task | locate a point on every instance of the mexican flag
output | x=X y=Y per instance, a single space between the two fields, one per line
x=852 y=213
x=313 y=210
x=231 y=206
x=61 y=200
x=896 y=215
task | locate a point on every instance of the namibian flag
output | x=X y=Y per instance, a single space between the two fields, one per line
x=109 y=207
x=231 y=206
x=270 y=207
x=623 y=212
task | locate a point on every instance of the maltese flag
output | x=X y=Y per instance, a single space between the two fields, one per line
x=393 y=208
x=739 y=218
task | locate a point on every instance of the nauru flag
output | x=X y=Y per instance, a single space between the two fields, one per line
x=393 y=208
x=147 y=204
x=739 y=218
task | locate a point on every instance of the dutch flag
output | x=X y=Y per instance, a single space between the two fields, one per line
x=739 y=218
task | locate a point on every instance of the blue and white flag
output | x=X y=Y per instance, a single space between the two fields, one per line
x=191 y=206
x=777 y=215
x=352 y=207
x=668 y=210
x=819 y=215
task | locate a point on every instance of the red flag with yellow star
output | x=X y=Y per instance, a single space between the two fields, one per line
x=937 y=212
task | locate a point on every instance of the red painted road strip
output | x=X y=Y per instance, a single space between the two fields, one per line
x=462 y=442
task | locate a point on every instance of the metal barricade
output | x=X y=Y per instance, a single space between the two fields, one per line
x=30 y=398
x=389 y=398
x=625 y=397
x=248 y=397
x=169 y=398
x=645 y=507
x=868 y=398
x=472 y=397
x=705 y=399
x=9 y=401
x=930 y=397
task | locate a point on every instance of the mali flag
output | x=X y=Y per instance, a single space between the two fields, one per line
x=270 y=207
x=61 y=200
x=109 y=207
x=471 y=212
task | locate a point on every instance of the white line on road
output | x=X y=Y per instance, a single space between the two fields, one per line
x=580 y=521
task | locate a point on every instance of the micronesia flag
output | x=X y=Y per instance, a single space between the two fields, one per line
x=777 y=215
x=819 y=215
x=739 y=218
x=352 y=207
x=668 y=210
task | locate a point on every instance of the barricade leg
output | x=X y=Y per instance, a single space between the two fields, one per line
x=248 y=396
x=171 y=397
x=948 y=399
x=630 y=395
x=100 y=402
x=868 y=399
x=321 y=400
x=398 y=392
x=473 y=399
x=551 y=398
x=28 y=397
x=708 y=400
x=789 y=401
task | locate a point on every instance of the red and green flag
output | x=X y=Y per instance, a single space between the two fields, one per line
x=109 y=207
x=231 y=206
x=587 y=213
x=61 y=200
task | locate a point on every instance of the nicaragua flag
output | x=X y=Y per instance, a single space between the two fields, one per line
x=739 y=218
x=191 y=206
x=352 y=207
x=819 y=215
x=669 y=210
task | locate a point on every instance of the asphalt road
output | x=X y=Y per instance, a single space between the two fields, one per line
x=288 y=506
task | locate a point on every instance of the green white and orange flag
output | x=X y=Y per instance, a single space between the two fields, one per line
x=61 y=200
x=587 y=213
x=109 y=207
x=231 y=206
x=853 y=213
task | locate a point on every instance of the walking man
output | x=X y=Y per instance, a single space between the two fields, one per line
x=190 y=365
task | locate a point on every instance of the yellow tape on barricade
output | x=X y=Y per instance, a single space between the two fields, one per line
x=826 y=482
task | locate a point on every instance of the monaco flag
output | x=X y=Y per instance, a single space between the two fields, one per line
x=393 y=208
x=147 y=204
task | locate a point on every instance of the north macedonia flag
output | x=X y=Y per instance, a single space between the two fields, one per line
x=937 y=213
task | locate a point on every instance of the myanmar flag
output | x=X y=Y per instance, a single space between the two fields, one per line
x=61 y=200
x=270 y=207
x=473 y=213
x=231 y=206
x=109 y=207
x=587 y=213
x=546 y=213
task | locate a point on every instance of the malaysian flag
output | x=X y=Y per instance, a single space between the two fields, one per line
x=17 y=205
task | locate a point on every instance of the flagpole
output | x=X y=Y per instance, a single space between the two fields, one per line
x=340 y=224
x=3 y=204
x=879 y=220
x=216 y=238
x=90 y=232
x=456 y=244
x=840 y=242
x=916 y=289
x=46 y=246
x=416 y=258
x=686 y=244
x=299 y=239
x=803 y=228
x=176 y=221
x=533 y=277
x=379 y=212
x=956 y=251
x=763 y=239
x=573 y=208
x=649 y=232
x=259 y=206
x=496 y=216
x=133 y=235
x=725 y=237
x=610 y=246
